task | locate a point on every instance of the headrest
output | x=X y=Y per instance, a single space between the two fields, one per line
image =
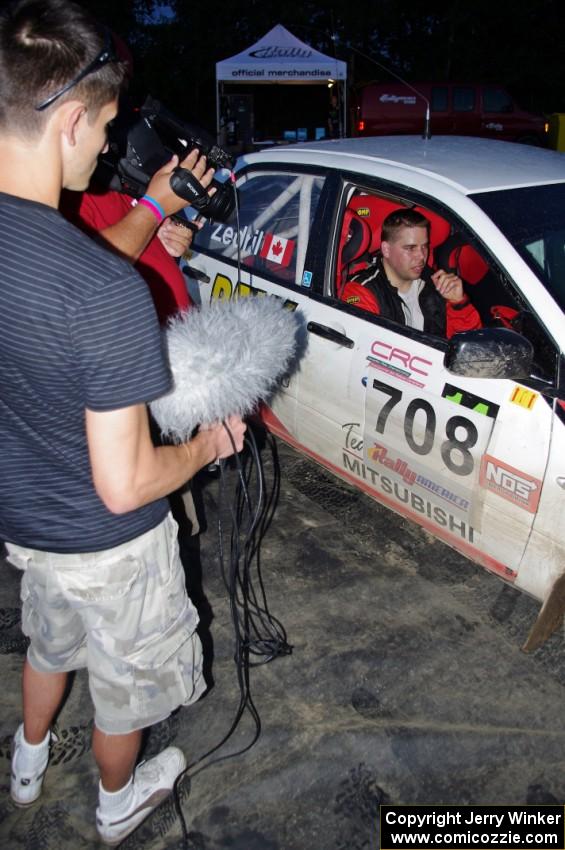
x=374 y=210
x=439 y=227
x=458 y=256
x=358 y=240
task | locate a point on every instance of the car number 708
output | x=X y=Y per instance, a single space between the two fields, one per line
x=416 y=424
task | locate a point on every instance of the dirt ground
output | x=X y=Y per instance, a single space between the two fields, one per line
x=406 y=684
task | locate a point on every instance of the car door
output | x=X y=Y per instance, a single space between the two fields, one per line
x=463 y=456
x=262 y=248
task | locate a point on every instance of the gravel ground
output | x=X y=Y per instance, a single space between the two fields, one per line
x=406 y=684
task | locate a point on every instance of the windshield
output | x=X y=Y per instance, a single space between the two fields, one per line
x=533 y=220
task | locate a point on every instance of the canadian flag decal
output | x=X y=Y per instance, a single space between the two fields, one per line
x=277 y=249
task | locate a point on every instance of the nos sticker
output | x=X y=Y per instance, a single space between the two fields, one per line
x=511 y=484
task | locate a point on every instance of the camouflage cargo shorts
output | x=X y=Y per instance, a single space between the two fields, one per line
x=124 y=614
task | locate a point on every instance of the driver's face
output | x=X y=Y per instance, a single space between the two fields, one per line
x=407 y=254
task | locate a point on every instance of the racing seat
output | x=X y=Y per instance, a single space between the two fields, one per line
x=494 y=303
x=354 y=242
x=374 y=210
x=361 y=233
x=457 y=256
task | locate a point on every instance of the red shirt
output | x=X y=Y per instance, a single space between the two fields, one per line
x=94 y=212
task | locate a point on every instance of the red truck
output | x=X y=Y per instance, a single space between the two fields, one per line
x=463 y=109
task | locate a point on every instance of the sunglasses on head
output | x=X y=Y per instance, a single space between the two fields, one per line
x=106 y=55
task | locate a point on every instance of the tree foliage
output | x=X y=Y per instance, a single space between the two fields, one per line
x=176 y=47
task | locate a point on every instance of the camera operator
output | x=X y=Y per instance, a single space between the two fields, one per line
x=82 y=488
x=147 y=236
x=142 y=231
x=137 y=233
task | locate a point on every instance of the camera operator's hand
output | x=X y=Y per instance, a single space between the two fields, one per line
x=159 y=186
x=176 y=239
x=198 y=165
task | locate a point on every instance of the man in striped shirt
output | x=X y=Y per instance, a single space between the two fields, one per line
x=83 y=506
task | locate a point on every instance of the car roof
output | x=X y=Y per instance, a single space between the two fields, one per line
x=469 y=164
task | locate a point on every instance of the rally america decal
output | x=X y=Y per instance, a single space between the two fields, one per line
x=397 y=480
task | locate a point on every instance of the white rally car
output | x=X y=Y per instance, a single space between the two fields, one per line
x=465 y=436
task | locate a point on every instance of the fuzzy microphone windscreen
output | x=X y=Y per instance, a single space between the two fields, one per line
x=225 y=358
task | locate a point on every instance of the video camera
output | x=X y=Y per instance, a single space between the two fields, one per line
x=142 y=141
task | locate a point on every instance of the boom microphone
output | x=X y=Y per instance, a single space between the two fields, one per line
x=225 y=358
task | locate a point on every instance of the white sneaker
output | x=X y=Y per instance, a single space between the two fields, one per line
x=25 y=781
x=153 y=780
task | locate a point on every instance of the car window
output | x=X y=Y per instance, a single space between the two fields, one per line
x=463 y=98
x=359 y=254
x=439 y=99
x=496 y=100
x=533 y=221
x=493 y=296
x=273 y=218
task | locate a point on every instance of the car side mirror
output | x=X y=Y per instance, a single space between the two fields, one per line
x=489 y=353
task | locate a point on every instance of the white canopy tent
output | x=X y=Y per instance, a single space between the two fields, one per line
x=280 y=57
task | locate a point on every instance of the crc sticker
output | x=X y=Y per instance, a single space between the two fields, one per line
x=524 y=397
x=399 y=363
x=511 y=484
x=307 y=279
x=470 y=401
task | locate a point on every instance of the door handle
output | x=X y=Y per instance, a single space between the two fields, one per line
x=331 y=334
x=189 y=271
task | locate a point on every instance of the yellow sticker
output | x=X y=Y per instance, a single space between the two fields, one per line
x=363 y=212
x=524 y=397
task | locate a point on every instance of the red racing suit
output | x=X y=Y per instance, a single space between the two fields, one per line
x=371 y=290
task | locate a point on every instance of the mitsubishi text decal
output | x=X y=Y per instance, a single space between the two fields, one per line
x=396 y=478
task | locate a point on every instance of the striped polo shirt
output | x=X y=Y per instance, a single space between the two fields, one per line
x=77 y=330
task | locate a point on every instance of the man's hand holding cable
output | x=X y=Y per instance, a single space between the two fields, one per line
x=227 y=437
